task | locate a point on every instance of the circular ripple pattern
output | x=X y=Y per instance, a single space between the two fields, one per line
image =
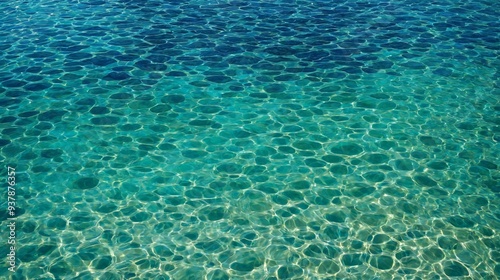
x=252 y=139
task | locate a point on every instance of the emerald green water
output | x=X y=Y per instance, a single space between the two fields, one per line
x=251 y=139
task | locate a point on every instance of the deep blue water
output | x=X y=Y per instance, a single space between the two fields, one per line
x=251 y=139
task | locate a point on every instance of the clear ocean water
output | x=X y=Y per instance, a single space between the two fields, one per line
x=257 y=139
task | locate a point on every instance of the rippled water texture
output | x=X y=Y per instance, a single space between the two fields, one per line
x=252 y=139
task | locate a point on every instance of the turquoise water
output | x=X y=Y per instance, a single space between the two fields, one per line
x=251 y=139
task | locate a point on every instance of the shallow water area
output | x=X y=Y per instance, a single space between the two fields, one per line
x=251 y=139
